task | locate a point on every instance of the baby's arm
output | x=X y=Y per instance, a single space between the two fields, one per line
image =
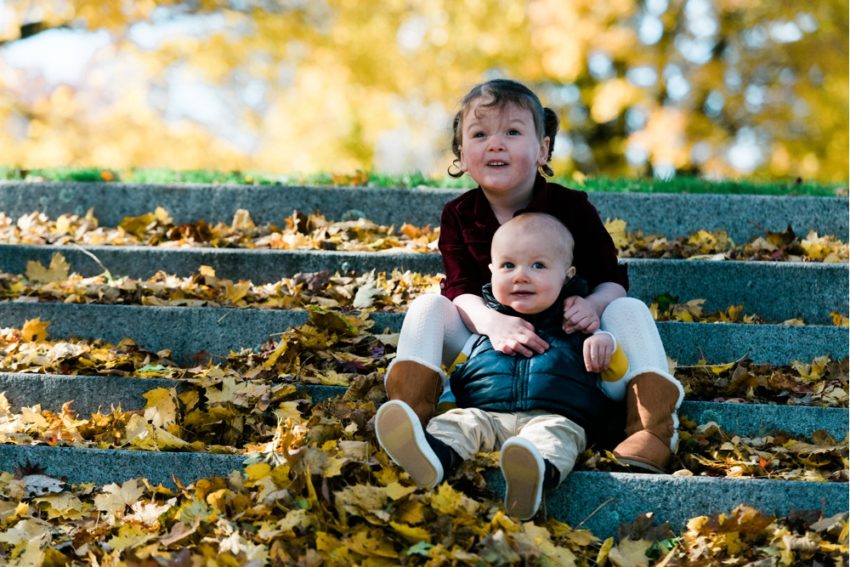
x=598 y=349
x=509 y=335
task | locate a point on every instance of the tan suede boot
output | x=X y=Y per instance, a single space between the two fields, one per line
x=416 y=385
x=651 y=423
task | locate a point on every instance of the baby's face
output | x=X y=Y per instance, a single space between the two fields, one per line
x=528 y=270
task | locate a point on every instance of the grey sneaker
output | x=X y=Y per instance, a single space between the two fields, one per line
x=524 y=469
x=401 y=435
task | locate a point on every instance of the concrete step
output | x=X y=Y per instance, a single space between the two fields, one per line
x=217 y=331
x=601 y=500
x=99 y=393
x=776 y=291
x=742 y=216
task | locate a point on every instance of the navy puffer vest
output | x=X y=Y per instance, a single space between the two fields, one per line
x=554 y=381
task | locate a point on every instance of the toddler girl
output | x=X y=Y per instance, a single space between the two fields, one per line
x=502 y=136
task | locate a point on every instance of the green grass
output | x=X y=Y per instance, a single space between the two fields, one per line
x=163 y=176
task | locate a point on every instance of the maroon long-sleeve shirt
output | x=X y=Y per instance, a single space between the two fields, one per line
x=468 y=223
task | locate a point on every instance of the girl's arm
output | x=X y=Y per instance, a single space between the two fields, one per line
x=509 y=335
x=582 y=313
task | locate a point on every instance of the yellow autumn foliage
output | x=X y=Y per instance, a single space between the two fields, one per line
x=331 y=86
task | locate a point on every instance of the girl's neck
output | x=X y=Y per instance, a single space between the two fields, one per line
x=505 y=205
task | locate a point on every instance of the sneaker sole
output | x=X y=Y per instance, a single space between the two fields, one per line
x=524 y=481
x=406 y=444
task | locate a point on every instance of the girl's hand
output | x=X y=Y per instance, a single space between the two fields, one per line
x=580 y=315
x=512 y=335
x=597 y=352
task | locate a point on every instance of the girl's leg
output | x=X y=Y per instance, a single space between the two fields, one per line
x=432 y=334
x=652 y=394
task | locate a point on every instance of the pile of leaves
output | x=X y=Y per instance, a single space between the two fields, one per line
x=716 y=245
x=319 y=491
x=301 y=232
x=823 y=382
x=352 y=507
x=333 y=349
x=373 y=291
x=238 y=417
x=250 y=401
x=315 y=232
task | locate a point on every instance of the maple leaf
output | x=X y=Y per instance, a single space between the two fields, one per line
x=129 y=536
x=617 y=229
x=447 y=500
x=630 y=553
x=34 y=330
x=57 y=271
x=39 y=484
x=242 y=221
x=65 y=505
x=411 y=533
x=114 y=499
x=27 y=530
x=161 y=407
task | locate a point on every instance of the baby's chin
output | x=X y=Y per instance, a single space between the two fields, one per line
x=520 y=308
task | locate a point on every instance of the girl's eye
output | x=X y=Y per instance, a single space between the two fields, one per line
x=478 y=134
x=507 y=265
x=514 y=132
x=538 y=266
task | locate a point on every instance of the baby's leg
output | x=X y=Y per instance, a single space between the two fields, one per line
x=466 y=431
x=559 y=440
x=542 y=454
x=432 y=333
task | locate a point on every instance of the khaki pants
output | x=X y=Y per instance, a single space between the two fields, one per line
x=470 y=430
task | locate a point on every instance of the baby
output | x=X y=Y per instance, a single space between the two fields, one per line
x=537 y=410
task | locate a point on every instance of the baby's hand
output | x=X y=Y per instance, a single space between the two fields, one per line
x=579 y=315
x=513 y=335
x=597 y=352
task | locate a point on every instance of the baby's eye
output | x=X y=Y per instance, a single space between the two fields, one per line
x=514 y=132
x=507 y=265
x=478 y=134
x=538 y=266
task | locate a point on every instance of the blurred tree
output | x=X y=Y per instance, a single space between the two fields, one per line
x=714 y=87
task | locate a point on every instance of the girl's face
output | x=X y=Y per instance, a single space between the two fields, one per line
x=500 y=148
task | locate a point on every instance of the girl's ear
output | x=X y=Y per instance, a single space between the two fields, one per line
x=571 y=272
x=543 y=157
x=492 y=269
x=461 y=160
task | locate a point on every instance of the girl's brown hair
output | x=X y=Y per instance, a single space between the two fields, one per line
x=502 y=92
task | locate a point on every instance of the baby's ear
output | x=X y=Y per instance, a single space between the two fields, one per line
x=571 y=273
x=492 y=269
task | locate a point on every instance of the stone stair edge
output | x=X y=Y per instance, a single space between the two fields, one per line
x=220 y=330
x=622 y=495
x=773 y=290
x=670 y=214
x=94 y=393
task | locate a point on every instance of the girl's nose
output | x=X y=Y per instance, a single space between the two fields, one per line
x=496 y=142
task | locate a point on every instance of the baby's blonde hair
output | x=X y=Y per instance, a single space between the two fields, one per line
x=547 y=227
